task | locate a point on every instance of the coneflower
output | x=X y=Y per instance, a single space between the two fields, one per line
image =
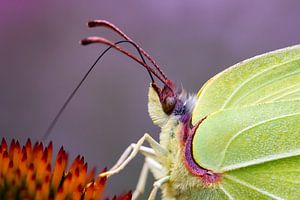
x=27 y=173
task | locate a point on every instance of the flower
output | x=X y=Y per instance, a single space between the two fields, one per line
x=27 y=173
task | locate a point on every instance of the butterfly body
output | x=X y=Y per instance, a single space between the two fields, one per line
x=239 y=138
x=173 y=136
x=224 y=144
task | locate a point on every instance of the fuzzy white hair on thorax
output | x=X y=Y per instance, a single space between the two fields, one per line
x=190 y=102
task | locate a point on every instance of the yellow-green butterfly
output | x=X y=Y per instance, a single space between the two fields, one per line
x=239 y=138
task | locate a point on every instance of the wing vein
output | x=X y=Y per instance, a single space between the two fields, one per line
x=248 y=128
x=253 y=187
x=258 y=161
x=265 y=84
x=276 y=93
x=252 y=77
x=226 y=192
x=287 y=93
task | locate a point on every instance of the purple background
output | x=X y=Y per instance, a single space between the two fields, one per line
x=41 y=62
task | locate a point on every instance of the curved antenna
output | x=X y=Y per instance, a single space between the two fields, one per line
x=101 y=40
x=61 y=110
x=106 y=24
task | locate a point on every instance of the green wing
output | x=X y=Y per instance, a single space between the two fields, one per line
x=256 y=149
x=252 y=131
x=239 y=137
x=278 y=179
x=269 y=77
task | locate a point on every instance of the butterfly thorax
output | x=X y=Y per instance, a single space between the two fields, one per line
x=175 y=130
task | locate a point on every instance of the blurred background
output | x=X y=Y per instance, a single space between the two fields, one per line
x=41 y=62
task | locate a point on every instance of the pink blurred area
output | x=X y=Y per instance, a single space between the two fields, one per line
x=41 y=61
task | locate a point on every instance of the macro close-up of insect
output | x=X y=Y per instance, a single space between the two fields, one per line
x=238 y=138
x=150 y=100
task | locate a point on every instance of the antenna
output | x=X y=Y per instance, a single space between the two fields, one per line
x=92 y=40
x=70 y=97
x=106 y=24
x=101 y=40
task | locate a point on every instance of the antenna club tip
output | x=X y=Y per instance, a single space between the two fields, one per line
x=85 y=41
x=91 y=24
x=95 y=23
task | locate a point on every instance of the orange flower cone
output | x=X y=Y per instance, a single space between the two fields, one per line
x=27 y=173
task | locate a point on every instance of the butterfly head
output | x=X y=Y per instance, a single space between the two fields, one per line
x=167 y=96
x=170 y=101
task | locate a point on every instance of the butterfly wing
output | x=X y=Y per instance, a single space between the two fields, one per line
x=238 y=137
x=277 y=179
x=269 y=77
x=252 y=131
x=256 y=149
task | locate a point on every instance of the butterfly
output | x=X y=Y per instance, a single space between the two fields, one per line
x=238 y=138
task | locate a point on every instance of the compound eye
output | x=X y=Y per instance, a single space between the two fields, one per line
x=169 y=104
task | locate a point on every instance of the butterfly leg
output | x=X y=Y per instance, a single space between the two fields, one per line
x=157 y=184
x=134 y=149
x=146 y=151
x=155 y=168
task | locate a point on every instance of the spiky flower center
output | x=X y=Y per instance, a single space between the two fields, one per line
x=28 y=173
